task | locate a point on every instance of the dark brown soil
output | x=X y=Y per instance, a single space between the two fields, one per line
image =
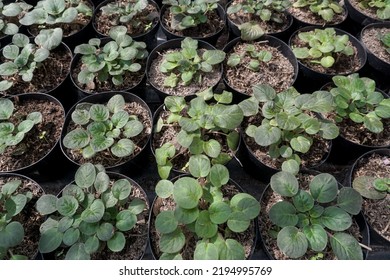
x=156 y=78
x=371 y=39
x=377 y=212
x=266 y=226
x=148 y=19
x=370 y=12
x=28 y=217
x=305 y=15
x=246 y=238
x=105 y=157
x=278 y=72
x=47 y=77
x=33 y=148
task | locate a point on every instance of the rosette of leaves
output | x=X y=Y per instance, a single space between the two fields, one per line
x=357 y=99
x=13 y=134
x=203 y=209
x=9 y=11
x=188 y=64
x=326 y=9
x=49 y=12
x=200 y=121
x=257 y=58
x=371 y=187
x=311 y=220
x=382 y=7
x=266 y=10
x=290 y=121
x=114 y=60
x=385 y=39
x=12 y=203
x=189 y=13
x=92 y=213
x=323 y=46
x=21 y=57
x=101 y=127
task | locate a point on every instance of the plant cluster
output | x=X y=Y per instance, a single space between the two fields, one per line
x=326 y=9
x=312 y=219
x=189 y=13
x=371 y=187
x=266 y=10
x=357 y=99
x=22 y=58
x=385 y=39
x=11 y=231
x=11 y=10
x=114 y=60
x=257 y=58
x=55 y=12
x=323 y=46
x=11 y=134
x=103 y=126
x=93 y=213
x=188 y=63
x=200 y=121
x=382 y=7
x=290 y=121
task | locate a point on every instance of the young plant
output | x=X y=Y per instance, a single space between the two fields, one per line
x=311 y=220
x=12 y=202
x=21 y=57
x=385 y=39
x=114 y=60
x=9 y=12
x=202 y=209
x=289 y=122
x=189 y=63
x=50 y=12
x=382 y=7
x=101 y=127
x=92 y=213
x=256 y=58
x=13 y=134
x=323 y=46
x=326 y=9
x=371 y=187
x=357 y=99
x=189 y=13
x=200 y=124
x=266 y=10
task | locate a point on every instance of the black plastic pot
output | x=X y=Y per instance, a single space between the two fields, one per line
x=359 y=219
x=171 y=44
x=357 y=16
x=376 y=237
x=309 y=78
x=133 y=164
x=148 y=37
x=271 y=41
x=153 y=215
x=50 y=163
x=211 y=39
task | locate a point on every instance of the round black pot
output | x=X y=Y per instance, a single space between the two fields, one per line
x=309 y=79
x=376 y=237
x=271 y=41
x=50 y=164
x=359 y=219
x=357 y=16
x=148 y=37
x=211 y=39
x=171 y=44
x=153 y=216
x=132 y=166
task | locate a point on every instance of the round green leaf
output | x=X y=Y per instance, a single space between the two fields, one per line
x=219 y=212
x=170 y=257
x=199 y=166
x=85 y=175
x=212 y=148
x=121 y=189
x=137 y=206
x=67 y=205
x=65 y=223
x=123 y=148
x=266 y=135
x=246 y=204
x=292 y=242
x=350 y=200
x=102 y=182
x=100 y=143
x=283 y=214
x=166 y=222
x=285 y=184
x=324 y=188
x=88 y=228
x=301 y=144
x=186 y=216
x=71 y=236
x=50 y=240
x=164 y=188
x=77 y=252
x=303 y=201
x=94 y=213
x=133 y=128
x=327 y=61
x=204 y=227
x=125 y=220
x=15 y=204
x=205 y=251
x=99 y=112
x=346 y=247
x=92 y=244
x=46 y=204
x=105 y=231
x=237 y=222
x=219 y=175
x=172 y=242
x=231 y=250
x=187 y=192
x=316 y=236
x=120 y=119
x=75 y=191
x=117 y=242
x=336 y=219
x=12 y=235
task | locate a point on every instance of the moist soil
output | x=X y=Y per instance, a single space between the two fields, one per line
x=377 y=212
x=268 y=231
x=371 y=39
x=28 y=217
x=278 y=72
x=245 y=238
x=305 y=15
x=40 y=140
x=147 y=19
x=156 y=77
x=370 y=12
x=105 y=157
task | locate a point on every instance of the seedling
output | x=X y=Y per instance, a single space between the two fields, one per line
x=314 y=219
x=382 y=7
x=326 y=9
x=371 y=187
x=257 y=58
x=93 y=213
x=8 y=12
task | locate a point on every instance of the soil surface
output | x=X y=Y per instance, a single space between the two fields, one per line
x=371 y=39
x=305 y=15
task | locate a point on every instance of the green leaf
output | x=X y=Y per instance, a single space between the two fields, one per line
x=171 y=257
x=77 y=252
x=204 y=227
x=164 y=188
x=349 y=200
x=232 y=250
x=214 y=57
x=219 y=212
x=264 y=93
x=219 y=175
x=327 y=61
x=137 y=206
x=123 y=148
x=235 y=117
x=245 y=204
x=76 y=139
x=92 y=244
x=175 y=104
x=117 y=242
x=65 y=223
x=105 y=231
x=8 y=68
x=121 y=189
x=172 y=242
x=291 y=166
x=335 y=218
x=133 y=128
x=71 y=236
x=233 y=60
x=301 y=144
x=266 y=135
x=125 y=220
x=212 y=148
x=12 y=235
x=285 y=184
x=102 y=182
x=292 y=242
x=287 y=122
x=67 y=206
x=383 y=109
x=324 y=188
x=199 y=166
x=205 y=251
x=88 y=228
x=303 y=201
x=99 y=112
x=283 y=214
x=10 y=187
x=345 y=247
x=237 y=222
x=316 y=236
x=85 y=175
x=166 y=222
x=250 y=31
x=301 y=53
x=187 y=192
x=373 y=123
x=116 y=103
x=94 y=213
x=364 y=185
x=186 y=216
x=50 y=240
